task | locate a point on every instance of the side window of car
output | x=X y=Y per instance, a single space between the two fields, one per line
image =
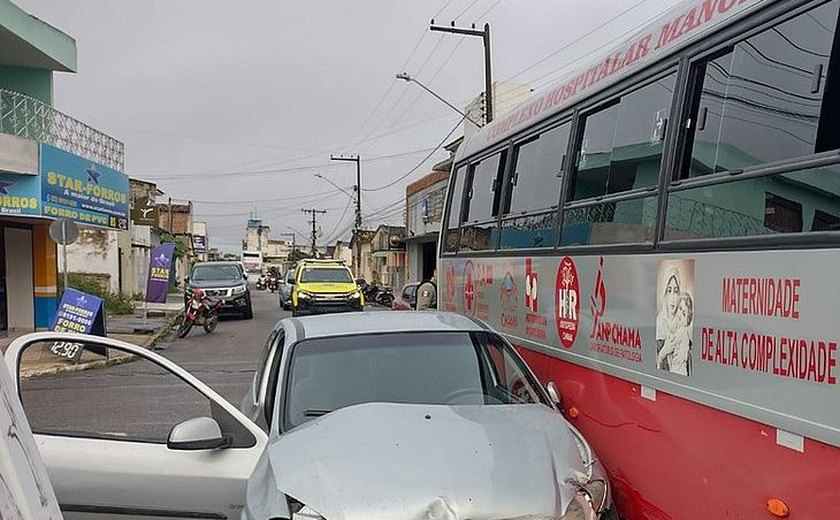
x=507 y=373
x=273 y=378
x=259 y=375
x=108 y=393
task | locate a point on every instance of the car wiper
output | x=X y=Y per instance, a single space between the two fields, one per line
x=315 y=413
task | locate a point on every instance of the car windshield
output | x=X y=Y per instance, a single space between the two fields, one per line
x=442 y=368
x=326 y=274
x=206 y=273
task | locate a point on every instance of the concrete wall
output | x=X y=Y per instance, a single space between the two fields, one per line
x=35 y=83
x=425 y=210
x=142 y=242
x=343 y=252
x=506 y=96
x=96 y=252
x=414 y=259
x=18 y=155
x=20 y=286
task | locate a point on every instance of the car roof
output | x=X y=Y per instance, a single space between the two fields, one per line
x=378 y=322
x=219 y=262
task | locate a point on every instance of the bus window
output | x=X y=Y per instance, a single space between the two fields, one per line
x=792 y=202
x=484 y=200
x=761 y=100
x=535 y=182
x=455 y=214
x=621 y=148
x=530 y=231
x=757 y=102
x=483 y=195
x=622 y=222
x=533 y=191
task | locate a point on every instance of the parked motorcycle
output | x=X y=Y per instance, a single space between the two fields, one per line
x=378 y=294
x=370 y=290
x=200 y=310
x=385 y=296
x=261 y=282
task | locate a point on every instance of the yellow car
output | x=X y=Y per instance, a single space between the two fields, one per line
x=325 y=286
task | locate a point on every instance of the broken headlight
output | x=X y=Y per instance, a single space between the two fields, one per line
x=588 y=501
x=299 y=511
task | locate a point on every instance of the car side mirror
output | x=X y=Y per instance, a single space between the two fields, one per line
x=554 y=394
x=198 y=433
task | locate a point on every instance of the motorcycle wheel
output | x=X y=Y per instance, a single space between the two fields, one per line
x=387 y=300
x=210 y=322
x=185 y=327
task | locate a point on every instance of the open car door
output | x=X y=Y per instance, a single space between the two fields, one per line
x=127 y=434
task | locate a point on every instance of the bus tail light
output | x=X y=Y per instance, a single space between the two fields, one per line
x=778 y=508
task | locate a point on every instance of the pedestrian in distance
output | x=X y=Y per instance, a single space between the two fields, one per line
x=427 y=294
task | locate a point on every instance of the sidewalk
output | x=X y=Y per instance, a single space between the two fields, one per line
x=132 y=329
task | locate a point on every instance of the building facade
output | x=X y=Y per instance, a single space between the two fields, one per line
x=51 y=166
x=388 y=256
x=424 y=212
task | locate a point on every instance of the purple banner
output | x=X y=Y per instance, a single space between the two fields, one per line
x=157 y=287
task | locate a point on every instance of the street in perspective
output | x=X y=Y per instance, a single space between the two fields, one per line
x=450 y=260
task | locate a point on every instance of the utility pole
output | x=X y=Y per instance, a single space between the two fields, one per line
x=488 y=77
x=314 y=231
x=357 y=189
x=294 y=247
x=170 y=217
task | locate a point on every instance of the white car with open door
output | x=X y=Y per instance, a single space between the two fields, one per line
x=105 y=458
x=25 y=490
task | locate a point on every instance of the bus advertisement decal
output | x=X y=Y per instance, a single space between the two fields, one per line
x=608 y=338
x=567 y=301
x=536 y=325
x=675 y=315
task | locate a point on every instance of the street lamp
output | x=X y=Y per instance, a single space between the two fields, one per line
x=357 y=224
x=352 y=196
x=405 y=76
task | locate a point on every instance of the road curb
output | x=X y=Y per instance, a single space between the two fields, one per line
x=156 y=338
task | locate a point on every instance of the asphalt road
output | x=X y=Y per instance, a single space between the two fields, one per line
x=141 y=400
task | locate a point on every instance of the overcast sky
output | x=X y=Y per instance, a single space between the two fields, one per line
x=236 y=105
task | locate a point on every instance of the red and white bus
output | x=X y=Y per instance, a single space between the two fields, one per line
x=659 y=233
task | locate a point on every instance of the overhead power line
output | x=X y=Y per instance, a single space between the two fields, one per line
x=578 y=39
x=421 y=163
x=191 y=176
x=488 y=11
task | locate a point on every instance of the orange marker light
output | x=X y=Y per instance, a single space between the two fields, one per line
x=574 y=412
x=778 y=508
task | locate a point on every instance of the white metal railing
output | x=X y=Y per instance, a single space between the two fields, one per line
x=29 y=118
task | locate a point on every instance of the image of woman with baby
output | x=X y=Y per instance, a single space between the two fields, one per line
x=674 y=324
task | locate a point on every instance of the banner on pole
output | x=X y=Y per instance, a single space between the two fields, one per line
x=157 y=286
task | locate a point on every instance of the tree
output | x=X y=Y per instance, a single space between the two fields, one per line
x=297 y=255
x=180 y=245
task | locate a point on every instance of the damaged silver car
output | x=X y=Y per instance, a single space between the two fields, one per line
x=419 y=416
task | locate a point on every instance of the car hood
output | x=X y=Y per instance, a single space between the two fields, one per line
x=395 y=461
x=216 y=284
x=328 y=288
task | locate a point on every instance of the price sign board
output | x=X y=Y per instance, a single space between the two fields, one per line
x=79 y=313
